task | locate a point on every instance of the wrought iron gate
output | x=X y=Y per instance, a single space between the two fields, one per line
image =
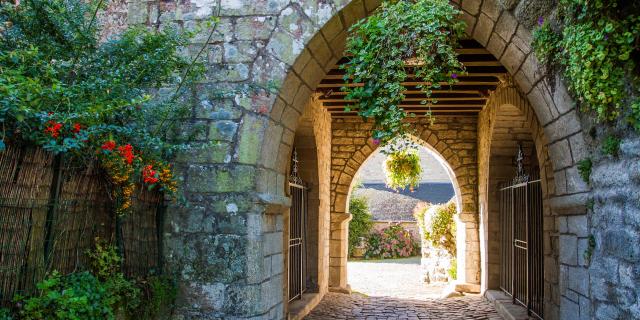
x=297 y=232
x=521 y=264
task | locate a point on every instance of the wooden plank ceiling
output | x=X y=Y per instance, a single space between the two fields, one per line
x=467 y=97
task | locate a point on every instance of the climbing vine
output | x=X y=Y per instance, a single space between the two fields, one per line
x=63 y=90
x=400 y=39
x=402 y=169
x=596 y=44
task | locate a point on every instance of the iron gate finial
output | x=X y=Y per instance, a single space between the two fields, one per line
x=521 y=175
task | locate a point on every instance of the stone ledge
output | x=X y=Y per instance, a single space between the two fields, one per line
x=573 y=204
x=345 y=290
x=505 y=307
x=467 y=287
x=299 y=309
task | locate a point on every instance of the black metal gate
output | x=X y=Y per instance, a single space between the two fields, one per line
x=522 y=275
x=297 y=233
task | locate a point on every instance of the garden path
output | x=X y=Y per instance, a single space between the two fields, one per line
x=392 y=289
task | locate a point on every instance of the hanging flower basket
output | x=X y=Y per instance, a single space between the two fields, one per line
x=402 y=169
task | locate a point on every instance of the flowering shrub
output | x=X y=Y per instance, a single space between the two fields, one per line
x=391 y=242
x=63 y=90
x=438 y=225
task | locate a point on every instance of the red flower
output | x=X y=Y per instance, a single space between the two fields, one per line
x=53 y=128
x=126 y=152
x=149 y=175
x=77 y=127
x=109 y=145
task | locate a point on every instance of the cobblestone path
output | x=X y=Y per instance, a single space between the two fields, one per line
x=391 y=289
x=357 y=306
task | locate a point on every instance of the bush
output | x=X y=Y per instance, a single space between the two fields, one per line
x=391 y=242
x=438 y=225
x=75 y=296
x=103 y=294
x=361 y=221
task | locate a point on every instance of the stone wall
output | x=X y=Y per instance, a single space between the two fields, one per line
x=614 y=224
x=226 y=246
x=312 y=143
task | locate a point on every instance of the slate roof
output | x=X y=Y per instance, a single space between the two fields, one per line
x=388 y=205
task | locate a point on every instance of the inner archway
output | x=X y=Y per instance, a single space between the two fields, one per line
x=389 y=254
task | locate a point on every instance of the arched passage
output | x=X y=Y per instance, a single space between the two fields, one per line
x=293 y=45
x=505 y=38
x=452 y=139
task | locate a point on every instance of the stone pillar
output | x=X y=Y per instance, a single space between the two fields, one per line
x=338 y=252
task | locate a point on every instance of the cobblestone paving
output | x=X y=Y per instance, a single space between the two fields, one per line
x=357 y=306
x=391 y=289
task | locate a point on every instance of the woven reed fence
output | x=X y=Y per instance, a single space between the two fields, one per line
x=51 y=214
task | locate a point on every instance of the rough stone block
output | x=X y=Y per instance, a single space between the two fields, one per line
x=506 y=26
x=568 y=249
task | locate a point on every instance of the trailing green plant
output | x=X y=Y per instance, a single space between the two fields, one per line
x=63 y=90
x=361 y=221
x=588 y=252
x=584 y=169
x=596 y=46
x=401 y=39
x=611 y=146
x=402 y=169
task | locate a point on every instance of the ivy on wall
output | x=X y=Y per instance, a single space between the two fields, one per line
x=400 y=38
x=595 y=43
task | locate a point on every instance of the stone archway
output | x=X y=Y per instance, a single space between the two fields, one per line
x=508 y=119
x=452 y=138
x=219 y=246
x=509 y=41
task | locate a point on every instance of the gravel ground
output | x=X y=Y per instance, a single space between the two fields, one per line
x=399 y=278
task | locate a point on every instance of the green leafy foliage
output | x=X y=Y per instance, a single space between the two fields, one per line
x=75 y=296
x=63 y=90
x=401 y=38
x=105 y=260
x=160 y=293
x=453 y=269
x=391 y=242
x=107 y=294
x=5 y=314
x=588 y=252
x=361 y=221
x=596 y=48
x=402 y=169
x=611 y=145
x=584 y=169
